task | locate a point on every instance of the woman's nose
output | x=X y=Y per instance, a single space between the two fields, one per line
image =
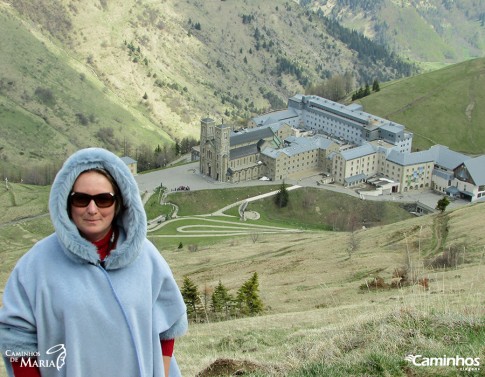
x=92 y=207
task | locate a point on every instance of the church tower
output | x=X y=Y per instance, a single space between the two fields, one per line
x=207 y=146
x=222 y=144
x=214 y=149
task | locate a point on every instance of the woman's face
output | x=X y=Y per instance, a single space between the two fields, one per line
x=93 y=222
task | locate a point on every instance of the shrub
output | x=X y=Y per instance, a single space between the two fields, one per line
x=448 y=258
x=83 y=119
x=45 y=95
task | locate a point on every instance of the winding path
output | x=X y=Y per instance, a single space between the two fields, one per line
x=209 y=227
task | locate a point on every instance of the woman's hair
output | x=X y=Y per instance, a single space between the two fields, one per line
x=118 y=197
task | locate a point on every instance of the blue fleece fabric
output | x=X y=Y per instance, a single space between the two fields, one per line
x=109 y=320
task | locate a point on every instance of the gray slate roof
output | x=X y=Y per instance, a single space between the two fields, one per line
x=250 y=135
x=358 y=152
x=406 y=159
x=476 y=168
x=275 y=117
x=247 y=150
x=128 y=160
x=356 y=178
x=299 y=145
x=445 y=157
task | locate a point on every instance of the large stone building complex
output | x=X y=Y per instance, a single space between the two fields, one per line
x=344 y=144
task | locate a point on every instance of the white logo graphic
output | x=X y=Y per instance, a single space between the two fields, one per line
x=464 y=363
x=62 y=354
x=412 y=358
x=34 y=359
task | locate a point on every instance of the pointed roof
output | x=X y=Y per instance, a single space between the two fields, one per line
x=476 y=169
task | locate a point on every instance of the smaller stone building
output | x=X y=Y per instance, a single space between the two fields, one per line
x=132 y=164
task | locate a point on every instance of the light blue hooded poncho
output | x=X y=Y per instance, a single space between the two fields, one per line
x=79 y=318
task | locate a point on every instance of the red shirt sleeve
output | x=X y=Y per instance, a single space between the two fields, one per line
x=167 y=347
x=24 y=370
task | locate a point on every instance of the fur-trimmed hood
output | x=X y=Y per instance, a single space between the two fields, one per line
x=132 y=222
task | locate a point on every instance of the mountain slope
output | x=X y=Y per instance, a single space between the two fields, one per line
x=161 y=66
x=51 y=105
x=131 y=75
x=427 y=31
x=446 y=106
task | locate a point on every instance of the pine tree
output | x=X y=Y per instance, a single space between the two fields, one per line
x=222 y=301
x=282 y=197
x=190 y=294
x=375 y=86
x=177 y=148
x=248 y=300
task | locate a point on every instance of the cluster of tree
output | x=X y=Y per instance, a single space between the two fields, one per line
x=54 y=16
x=84 y=119
x=195 y=25
x=442 y=204
x=149 y=158
x=45 y=95
x=366 y=48
x=247 y=19
x=41 y=174
x=335 y=88
x=260 y=40
x=284 y=65
x=135 y=53
x=110 y=141
x=274 y=100
x=219 y=304
x=146 y=157
x=363 y=92
x=481 y=19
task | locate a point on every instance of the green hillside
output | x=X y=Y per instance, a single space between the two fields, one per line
x=446 y=106
x=51 y=105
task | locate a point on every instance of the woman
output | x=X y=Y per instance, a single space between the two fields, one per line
x=95 y=298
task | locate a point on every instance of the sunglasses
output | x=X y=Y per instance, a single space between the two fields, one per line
x=104 y=200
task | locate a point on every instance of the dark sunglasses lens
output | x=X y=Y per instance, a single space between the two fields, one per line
x=101 y=200
x=104 y=200
x=80 y=200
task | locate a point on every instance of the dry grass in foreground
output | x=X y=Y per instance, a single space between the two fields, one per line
x=319 y=322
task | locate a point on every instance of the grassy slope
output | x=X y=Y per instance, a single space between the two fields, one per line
x=208 y=62
x=440 y=107
x=317 y=317
x=426 y=45
x=42 y=129
x=315 y=310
